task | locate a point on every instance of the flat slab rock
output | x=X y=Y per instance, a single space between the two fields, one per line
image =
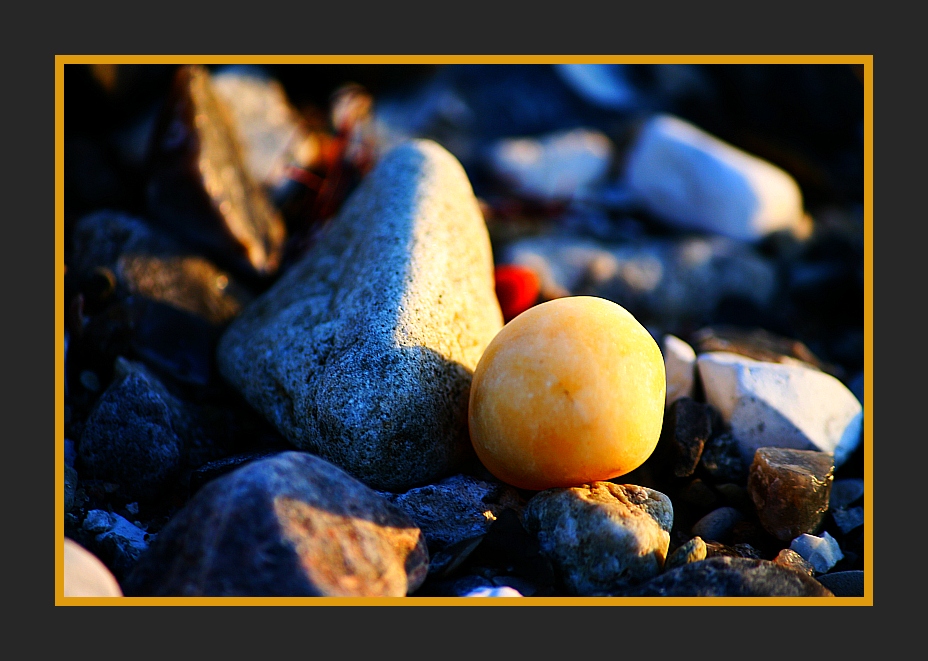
x=363 y=352
x=288 y=525
x=726 y=576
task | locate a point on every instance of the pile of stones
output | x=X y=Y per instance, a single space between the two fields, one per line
x=273 y=319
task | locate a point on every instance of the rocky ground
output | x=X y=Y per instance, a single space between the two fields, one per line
x=279 y=281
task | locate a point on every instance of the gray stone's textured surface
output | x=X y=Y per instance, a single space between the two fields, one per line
x=601 y=536
x=288 y=525
x=85 y=575
x=363 y=352
x=790 y=489
x=730 y=577
x=135 y=434
x=456 y=508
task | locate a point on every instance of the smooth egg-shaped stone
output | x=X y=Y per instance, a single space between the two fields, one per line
x=571 y=391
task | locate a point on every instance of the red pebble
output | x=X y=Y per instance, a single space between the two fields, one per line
x=517 y=288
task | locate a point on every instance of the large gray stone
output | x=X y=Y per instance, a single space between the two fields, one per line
x=363 y=352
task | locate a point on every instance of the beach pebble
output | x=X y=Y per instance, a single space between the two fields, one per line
x=502 y=591
x=291 y=524
x=717 y=524
x=775 y=405
x=680 y=367
x=790 y=489
x=692 y=551
x=557 y=166
x=135 y=434
x=601 y=536
x=695 y=181
x=363 y=351
x=456 y=508
x=822 y=552
x=118 y=541
x=85 y=575
x=571 y=391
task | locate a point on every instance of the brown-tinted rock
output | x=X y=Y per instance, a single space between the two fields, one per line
x=601 y=536
x=287 y=525
x=199 y=185
x=790 y=489
x=792 y=560
x=139 y=260
x=730 y=577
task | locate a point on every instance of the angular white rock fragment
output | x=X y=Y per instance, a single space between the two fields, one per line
x=692 y=179
x=679 y=366
x=777 y=405
x=503 y=591
x=85 y=575
x=557 y=166
x=822 y=553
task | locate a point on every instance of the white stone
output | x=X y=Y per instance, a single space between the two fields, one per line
x=503 y=591
x=679 y=366
x=691 y=179
x=85 y=575
x=559 y=166
x=777 y=405
x=822 y=553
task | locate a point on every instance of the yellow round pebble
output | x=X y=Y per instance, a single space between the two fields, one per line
x=570 y=391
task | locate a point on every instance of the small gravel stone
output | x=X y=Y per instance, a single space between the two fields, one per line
x=692 y=551
x=792 y=560
x=790 y=489
x=821 y=552
x=717 y=524
x=679 y=366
